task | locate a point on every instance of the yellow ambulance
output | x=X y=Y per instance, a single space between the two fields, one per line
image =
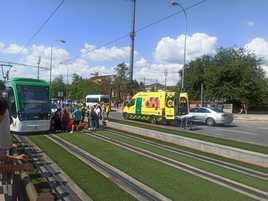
x=161 y=106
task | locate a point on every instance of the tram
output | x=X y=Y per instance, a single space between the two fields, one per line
x=29 y=105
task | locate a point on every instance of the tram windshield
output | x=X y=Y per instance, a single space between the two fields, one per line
x=34 y=102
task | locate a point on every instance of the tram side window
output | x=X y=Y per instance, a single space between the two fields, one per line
x=11 y=98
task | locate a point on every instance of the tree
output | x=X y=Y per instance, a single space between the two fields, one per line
x=233 y=75
x=57 y=86
x=81 y=87
x=121 y=81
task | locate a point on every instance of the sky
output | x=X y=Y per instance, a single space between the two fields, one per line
x=87 y=24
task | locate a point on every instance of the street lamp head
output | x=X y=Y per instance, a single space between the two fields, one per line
x=174 y=3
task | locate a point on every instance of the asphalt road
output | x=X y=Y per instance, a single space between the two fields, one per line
x=255 y=132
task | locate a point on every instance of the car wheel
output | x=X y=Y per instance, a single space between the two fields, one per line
x=125 y=115
x=210 y=122
x=152 y=120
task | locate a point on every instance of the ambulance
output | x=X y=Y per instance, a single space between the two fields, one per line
x=156 y=107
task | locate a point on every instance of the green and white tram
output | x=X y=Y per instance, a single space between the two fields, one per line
x=29 y=105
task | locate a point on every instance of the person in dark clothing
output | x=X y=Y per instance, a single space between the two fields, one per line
x=65 y=118
x=88 y=114
x=94 y=119
x=56 y=121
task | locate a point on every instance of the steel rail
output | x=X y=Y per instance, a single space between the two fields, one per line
x=233 y=185
x=134 y=187
x=228 y=165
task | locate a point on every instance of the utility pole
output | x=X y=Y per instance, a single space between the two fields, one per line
x=202 y=95
x=175 y=3
x=132 y=37
x=38 y=67
x=50 y=73
x=5 y=75
x=165 y=74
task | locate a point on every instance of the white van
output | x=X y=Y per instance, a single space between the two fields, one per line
x=95 y=99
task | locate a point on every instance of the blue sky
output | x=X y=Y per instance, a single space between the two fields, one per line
x=230 y=22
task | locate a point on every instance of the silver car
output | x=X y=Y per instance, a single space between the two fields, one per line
x=211 y=116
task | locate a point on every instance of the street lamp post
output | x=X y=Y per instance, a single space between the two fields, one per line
x=38 y=67
x=175 y=3
x=51 y=58
x=165 y=74
x=67 y=76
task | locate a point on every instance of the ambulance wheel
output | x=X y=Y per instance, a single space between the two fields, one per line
x=125 y=115
x=152 y=120
x=164 y=121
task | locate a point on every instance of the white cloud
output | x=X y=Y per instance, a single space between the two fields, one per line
x=265 y=68
x=104 y=53
x=250 y=23
x=153 y=72
x=59 y=55
x=170 y=50
x=260 y=47
x=81 y=67
x=2 y=45
x=12 y=49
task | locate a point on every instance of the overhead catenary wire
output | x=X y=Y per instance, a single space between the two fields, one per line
x=41 y=27
x=142 y=28
x=22 y=64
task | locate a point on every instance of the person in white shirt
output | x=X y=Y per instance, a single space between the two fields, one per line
x=5 y=137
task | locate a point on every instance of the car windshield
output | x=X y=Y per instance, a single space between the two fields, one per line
x=34 y=99
x=105 y=99
x=92 y=100
x=215 y=109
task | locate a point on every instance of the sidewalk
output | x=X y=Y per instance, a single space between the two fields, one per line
x=251 y=117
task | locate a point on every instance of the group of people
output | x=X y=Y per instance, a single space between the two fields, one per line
x=60 y=120
x=75 y=121
x=95 y=115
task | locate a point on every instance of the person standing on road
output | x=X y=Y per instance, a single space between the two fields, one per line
x=65 y=118
x=89 y=119
x=77 y=116
x=94 y=118
x=107 y=110
x=98 y=113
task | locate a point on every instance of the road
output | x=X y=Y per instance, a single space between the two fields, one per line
x=255 y=132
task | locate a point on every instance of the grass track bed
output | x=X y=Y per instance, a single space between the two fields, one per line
x=93 y=183
x=236 y=176
x=175 y=184
x=231 y=143
x=217 y=157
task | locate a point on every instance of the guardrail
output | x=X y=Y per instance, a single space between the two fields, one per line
x=251 y=157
